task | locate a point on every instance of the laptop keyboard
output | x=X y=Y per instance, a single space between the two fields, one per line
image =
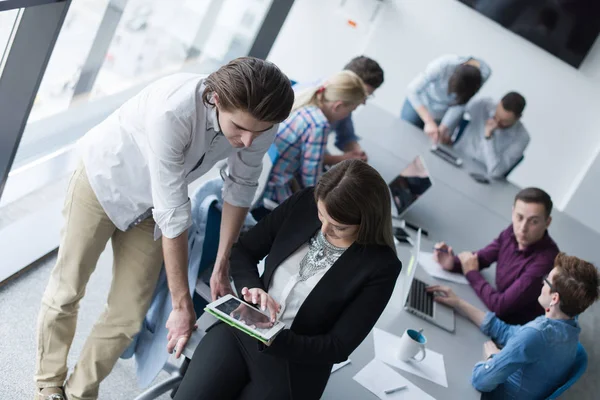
x=419 y=299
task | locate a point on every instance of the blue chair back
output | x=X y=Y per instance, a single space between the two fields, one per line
x=581 y=361
x=273 y=153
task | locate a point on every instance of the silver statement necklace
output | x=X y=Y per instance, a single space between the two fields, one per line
x=321 y=254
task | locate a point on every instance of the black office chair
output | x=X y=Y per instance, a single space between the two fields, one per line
x=514 y=166
x=460 y=129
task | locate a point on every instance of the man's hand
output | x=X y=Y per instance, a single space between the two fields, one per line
x=468 y=261
x=444 y=135
x=490 y=125
x=219 y=281
x=259 y=296
x=489 y=349
x=443 y=255
x=431 y=129
x=181 y=324
x=444 y=295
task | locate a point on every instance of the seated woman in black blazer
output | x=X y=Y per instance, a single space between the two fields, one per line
x=330 y=270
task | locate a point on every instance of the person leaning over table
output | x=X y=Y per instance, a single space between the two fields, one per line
x=436 y=98
x=132 y=187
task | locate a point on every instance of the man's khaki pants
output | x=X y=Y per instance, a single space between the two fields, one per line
x=136 y=266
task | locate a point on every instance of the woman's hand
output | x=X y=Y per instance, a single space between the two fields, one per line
x=259 y=296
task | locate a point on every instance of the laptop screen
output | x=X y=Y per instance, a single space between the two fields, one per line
x=412 y=183
x=408 y=273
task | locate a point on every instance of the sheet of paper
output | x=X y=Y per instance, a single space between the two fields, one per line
x=339 y=365
x=434 y=269
x=431 y=368
x=377 y=377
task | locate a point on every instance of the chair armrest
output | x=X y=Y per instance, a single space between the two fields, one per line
x=205 y=321
x=203 y=290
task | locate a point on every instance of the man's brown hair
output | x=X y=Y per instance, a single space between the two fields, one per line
x=367 y=69
x=535 y=195
x=251 y=85
x=576 y=282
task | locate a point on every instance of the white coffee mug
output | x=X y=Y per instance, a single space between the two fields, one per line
x=412 y=343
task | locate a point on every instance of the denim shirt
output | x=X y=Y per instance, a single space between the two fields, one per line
x=536 y=358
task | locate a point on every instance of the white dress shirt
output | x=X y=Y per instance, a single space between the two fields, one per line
x=287 y=289
x=499 y=153
x=140 y=160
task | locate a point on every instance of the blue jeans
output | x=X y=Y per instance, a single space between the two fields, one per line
x=409 y=114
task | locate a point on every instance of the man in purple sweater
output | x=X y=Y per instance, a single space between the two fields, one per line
x=524 y=253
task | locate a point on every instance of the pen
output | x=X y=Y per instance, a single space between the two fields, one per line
x=394 y=390
x=441 y=250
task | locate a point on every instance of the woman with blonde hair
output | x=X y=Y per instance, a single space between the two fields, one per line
x=301 y=140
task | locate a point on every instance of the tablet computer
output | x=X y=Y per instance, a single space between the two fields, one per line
x=245 y=317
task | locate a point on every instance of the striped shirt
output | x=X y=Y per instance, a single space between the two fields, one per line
x=430 y=89
x=300 y=142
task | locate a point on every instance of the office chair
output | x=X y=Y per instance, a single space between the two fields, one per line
x=460 y=129
x=514 y=166
x=579 y=367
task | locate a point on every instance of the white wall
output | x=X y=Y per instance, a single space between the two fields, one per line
x=563 y=102
x=316 y=39
x=584 y=203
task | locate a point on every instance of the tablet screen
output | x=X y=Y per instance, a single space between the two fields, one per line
x=248 y=315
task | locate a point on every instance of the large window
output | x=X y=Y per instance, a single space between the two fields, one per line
x=8 y=24
x=107 y=49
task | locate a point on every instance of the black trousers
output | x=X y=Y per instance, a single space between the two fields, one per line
x=227 y=365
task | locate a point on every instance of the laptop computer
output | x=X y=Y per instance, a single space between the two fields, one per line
x=417 y=301
x=447 y=154
x=412 y=183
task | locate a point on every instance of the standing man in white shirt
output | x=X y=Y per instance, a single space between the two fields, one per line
x=495 y=135
x=132 y=187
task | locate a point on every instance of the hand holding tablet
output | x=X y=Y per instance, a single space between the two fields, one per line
x=263 y=300
x=245 y=317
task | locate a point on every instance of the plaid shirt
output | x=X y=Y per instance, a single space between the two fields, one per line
x=300 y=142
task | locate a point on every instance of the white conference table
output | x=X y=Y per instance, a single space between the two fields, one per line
x=406 y=141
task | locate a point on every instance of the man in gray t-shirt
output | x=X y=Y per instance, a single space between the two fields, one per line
x=495 y=135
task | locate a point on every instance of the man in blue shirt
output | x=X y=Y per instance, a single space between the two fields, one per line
x=346 y=139
x=531 y=361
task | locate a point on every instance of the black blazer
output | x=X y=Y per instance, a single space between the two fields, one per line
x=338 y=313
